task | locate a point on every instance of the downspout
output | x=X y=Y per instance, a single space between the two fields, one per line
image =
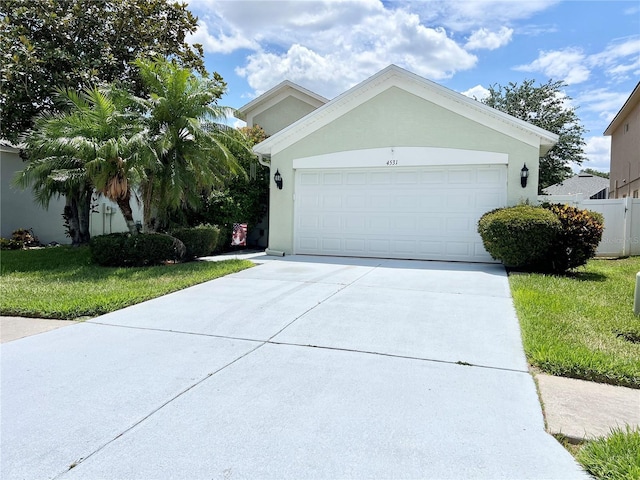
x=268 y=251
x=262 y=162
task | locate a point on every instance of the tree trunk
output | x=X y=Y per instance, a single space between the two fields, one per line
x=150 y=221
x=71 y=219
x=84 y=212
x=125 y=207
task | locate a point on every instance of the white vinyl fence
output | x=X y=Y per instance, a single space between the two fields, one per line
x=621 y=235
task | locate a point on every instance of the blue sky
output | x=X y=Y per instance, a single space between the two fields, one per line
x=465 y=45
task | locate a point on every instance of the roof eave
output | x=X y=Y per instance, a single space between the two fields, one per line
x=633 y=99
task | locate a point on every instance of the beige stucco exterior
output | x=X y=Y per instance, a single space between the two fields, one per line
x=20 y=210
x=397 y=109
x=280 y=107
x=281 y=115
x=625 y=149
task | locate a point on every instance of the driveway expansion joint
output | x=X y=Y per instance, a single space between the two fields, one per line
x=75 y=463
x=407 y=357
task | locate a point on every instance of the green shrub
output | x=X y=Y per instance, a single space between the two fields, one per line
x=577 y=241
x=518 y=236
x=126 y=250
x=199 y=241
x=20 y=238
x=10 y=244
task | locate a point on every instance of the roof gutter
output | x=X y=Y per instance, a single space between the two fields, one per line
x=261 y=161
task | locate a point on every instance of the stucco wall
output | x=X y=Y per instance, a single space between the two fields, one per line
x=19 y=210
x=625 y=156
x=391 y=119
x=282 y=115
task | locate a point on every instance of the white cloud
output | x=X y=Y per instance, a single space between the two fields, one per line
x=604 y=103
x=618 y=61
x=222 y=43
x=478 y=92
x=598 y=153
x=331 y=47
x=466 y=15
x=484 y=38
x=568 y=65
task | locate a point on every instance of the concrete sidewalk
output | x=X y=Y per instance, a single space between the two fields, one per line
x=301 y=368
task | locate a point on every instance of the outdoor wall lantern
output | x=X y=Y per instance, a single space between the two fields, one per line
x=278 y=179
x=524 y=174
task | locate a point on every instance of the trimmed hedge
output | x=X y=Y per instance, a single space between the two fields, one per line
x=518 y=236
x=126 y=250
x=199 y=241
x=577 y=241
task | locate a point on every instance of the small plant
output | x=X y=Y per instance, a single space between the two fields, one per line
x=199 y=241
x=125 y=250
x=616 y=457
x=9 y=244
x=578 y=239
x=518 y=236
x=20 y=238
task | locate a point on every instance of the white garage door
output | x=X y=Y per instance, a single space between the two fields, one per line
x=428 y=213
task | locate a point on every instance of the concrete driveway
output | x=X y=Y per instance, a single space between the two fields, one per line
x=302 y=367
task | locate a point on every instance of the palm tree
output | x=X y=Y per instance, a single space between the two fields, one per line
x=96 y=139
x=55 y=176
x=191 y=146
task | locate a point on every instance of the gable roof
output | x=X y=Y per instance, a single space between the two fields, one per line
x=394 y=76
x=583 y=183
x=631 y=102
x=277 y=93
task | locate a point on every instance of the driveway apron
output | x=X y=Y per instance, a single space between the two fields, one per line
x=301 y=367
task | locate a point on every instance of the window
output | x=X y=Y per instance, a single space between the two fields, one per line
x=635 y=194
x=626 y=127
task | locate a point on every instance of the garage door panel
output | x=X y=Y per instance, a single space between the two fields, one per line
x=308 y=178
x=426 y=213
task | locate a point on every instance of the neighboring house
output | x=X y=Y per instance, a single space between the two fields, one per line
x=18 y=208
x=396 y=167
x=624 y=131
x=589 y=186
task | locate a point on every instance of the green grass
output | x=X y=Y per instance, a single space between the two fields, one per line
x=582 y=325
x=616 y=457
x=62 y=283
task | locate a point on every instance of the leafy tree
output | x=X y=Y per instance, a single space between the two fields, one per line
x=68 y=44
x=597 y=173
x=546 y=107
x=93 y=141
x=191 y=146
x=240 y=199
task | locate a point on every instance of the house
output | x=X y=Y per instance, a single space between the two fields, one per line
x=396 y=167
x=588 y=186
x=19 y=209
x=624 y=131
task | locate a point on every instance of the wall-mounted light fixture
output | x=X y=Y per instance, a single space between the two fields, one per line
x=524 y=174
x=278 y=179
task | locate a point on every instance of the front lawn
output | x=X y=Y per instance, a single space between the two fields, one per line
x=582 y=325
x=62 y=283
x=616 y=457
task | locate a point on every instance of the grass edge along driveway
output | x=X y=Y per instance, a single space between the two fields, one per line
x=62 y=282
x=582 y=325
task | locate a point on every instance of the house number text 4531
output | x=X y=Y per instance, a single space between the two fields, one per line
x=392 y=162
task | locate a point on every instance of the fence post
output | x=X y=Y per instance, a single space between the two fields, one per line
x=636 y=298
x=626 y=230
